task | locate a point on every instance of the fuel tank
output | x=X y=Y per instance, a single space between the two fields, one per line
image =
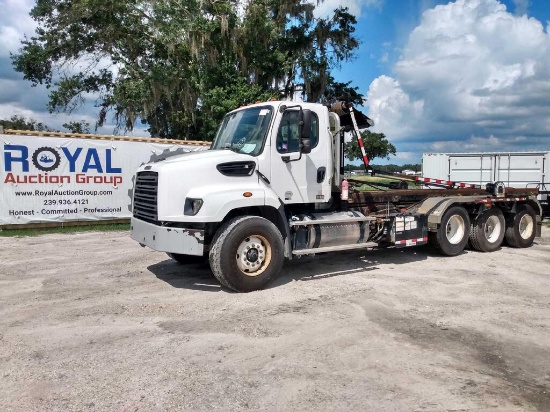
x=319 y=230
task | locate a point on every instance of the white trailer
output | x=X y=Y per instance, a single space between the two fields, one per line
x=514 y=169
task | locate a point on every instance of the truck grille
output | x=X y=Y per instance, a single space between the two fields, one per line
x=145 y=196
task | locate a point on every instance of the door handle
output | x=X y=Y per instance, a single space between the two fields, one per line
x=321 y=173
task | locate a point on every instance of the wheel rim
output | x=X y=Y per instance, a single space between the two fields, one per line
x=492 y=229
x=526 y=225
x=455 y=229
x=253 y=255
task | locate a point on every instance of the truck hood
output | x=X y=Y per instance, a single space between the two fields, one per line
x=194 y=167
x=196 y=175
x=213 y=156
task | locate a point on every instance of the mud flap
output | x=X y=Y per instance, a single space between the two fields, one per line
x=410 y=230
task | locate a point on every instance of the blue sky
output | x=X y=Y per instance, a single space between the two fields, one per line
x=461 y=76
x=439 y=76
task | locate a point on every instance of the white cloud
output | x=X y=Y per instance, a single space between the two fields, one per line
x=7 y=111
x=355 y=7
x=16 y=22
x=404 y=156
x=52 y=121
x=55 y=121
x=472 y=144
x=393 y=111
x=470 y=68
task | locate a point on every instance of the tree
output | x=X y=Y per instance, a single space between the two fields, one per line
x=329 y=43
x=21 y=123
x=376 y=145
x=179 y=65
x=342 y=91
x=78 y=127
x=391 y=168
x=414 y=167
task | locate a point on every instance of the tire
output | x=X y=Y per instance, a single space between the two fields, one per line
x=521 y=227
x=187 y=259
x=487 y=230
x=247 y=253
x=452 y=235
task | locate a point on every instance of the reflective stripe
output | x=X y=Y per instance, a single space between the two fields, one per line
x=501 y=199
x=413 y=241
x=359 y=138
x=445 y=182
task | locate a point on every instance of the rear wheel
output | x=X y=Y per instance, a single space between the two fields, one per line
x=247 y=253
x=487 y=230
x=520 y=228
x=452 y=235
x=187 y=259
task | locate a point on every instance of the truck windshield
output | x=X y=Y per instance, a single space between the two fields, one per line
x=244 y=131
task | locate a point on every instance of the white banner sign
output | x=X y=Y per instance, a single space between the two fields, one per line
x=52 y=179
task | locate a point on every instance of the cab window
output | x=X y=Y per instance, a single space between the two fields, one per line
x=288 y=136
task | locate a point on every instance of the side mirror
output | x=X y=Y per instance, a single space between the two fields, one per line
x=305 y=131
x=305 y=123
x=305 y=146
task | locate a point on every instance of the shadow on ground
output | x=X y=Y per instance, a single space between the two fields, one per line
x=343 y=263
x=321 y=266
x=191 y=276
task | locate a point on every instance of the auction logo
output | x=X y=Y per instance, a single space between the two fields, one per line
x=85 y=165
x=46 y=159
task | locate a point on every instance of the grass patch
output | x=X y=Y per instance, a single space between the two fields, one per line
x=65 y=229
x=378 y=179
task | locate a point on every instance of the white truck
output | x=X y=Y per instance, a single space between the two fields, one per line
x=272 y=187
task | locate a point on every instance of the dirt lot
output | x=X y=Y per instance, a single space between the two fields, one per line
x=94 y=322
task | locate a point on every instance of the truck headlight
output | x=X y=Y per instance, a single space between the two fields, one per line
x=192 y=206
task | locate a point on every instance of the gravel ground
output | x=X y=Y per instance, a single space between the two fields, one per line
x=92 y=321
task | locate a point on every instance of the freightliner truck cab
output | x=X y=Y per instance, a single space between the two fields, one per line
x=269 y=163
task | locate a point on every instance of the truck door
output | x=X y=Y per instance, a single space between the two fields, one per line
x=298 y=177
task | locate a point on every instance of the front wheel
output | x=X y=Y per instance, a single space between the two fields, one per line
x=521 y=227
x=452 y=235
x=247 y=253
x=487 y=230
